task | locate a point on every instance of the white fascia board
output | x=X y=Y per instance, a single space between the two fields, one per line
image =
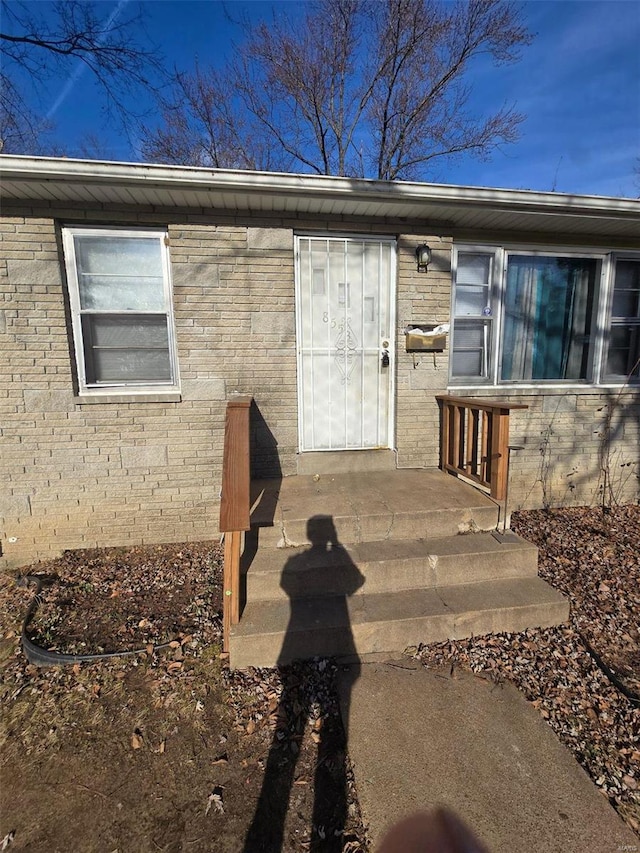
x=131 y=175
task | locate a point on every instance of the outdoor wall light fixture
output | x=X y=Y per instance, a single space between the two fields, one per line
x=423 y=257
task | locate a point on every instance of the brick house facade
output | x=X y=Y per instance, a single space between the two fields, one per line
x=85 y=465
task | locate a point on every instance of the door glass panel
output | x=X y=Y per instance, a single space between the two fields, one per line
x=369 y=309
x=318 y=282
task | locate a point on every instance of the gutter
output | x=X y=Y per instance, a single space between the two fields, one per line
x=45 y=170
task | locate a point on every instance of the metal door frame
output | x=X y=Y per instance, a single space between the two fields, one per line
x=393 y=274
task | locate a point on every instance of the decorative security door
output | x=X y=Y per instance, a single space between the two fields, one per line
x=345 y=329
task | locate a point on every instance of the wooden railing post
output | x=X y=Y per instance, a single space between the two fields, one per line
x=484 y=448
x=474 y=440
x=499 y=453
x=231 y=583
x=234 y=505
x=445 y=437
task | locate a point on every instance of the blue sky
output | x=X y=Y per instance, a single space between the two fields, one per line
x=578 y=84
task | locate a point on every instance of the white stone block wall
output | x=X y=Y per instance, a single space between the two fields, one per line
x=87 y=472
x=79 y=473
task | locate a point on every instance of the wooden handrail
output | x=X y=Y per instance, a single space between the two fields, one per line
x=474 y=440
x=234 y=505
x=234 y=499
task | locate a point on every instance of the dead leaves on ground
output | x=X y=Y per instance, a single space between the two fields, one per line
x=596 y=562
x=593 y=559
x=151 y=702
x=117 y=599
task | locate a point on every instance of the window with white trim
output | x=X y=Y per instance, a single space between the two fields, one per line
x=623 y=343
x=544 y=317
x=473 y=315
x=120 y=297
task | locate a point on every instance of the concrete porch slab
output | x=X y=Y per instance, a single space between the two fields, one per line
x=409 y=503
x=419 y=738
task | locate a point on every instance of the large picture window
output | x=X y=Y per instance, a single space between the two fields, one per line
x=121 y=305
x=548 y=308
x=544 y=317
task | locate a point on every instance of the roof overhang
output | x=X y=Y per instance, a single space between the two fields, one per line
x=449 y=209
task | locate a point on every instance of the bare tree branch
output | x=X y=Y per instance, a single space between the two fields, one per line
x=374 y=88
x=418 y=110
x=109 y=43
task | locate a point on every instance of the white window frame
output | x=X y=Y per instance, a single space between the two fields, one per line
x=495 y=318
x=601 y=320
x=130 y=387
x=614 y=258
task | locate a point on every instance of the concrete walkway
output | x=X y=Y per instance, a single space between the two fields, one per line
x=419 y=738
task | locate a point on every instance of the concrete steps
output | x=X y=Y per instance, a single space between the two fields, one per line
x=277 y=632
x=388 y=567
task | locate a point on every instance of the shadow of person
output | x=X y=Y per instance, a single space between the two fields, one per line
x=325 y=569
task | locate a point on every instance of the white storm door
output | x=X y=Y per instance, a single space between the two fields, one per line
x=345 y=323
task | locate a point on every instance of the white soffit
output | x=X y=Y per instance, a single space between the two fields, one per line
x=57 y=181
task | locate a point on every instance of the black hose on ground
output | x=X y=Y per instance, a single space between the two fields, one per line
x=609 y=673
x=39 y=656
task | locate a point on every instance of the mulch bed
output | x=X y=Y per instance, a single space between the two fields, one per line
x=168 y=750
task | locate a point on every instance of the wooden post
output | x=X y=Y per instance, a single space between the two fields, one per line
x=499 y=453
x=234 y=507
x=234 y=503
x=236 y=550
x=471 y=448
x=445 y=442
x=231 y=583
x=458 y=437
x=484 y=453
x=227 y=573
